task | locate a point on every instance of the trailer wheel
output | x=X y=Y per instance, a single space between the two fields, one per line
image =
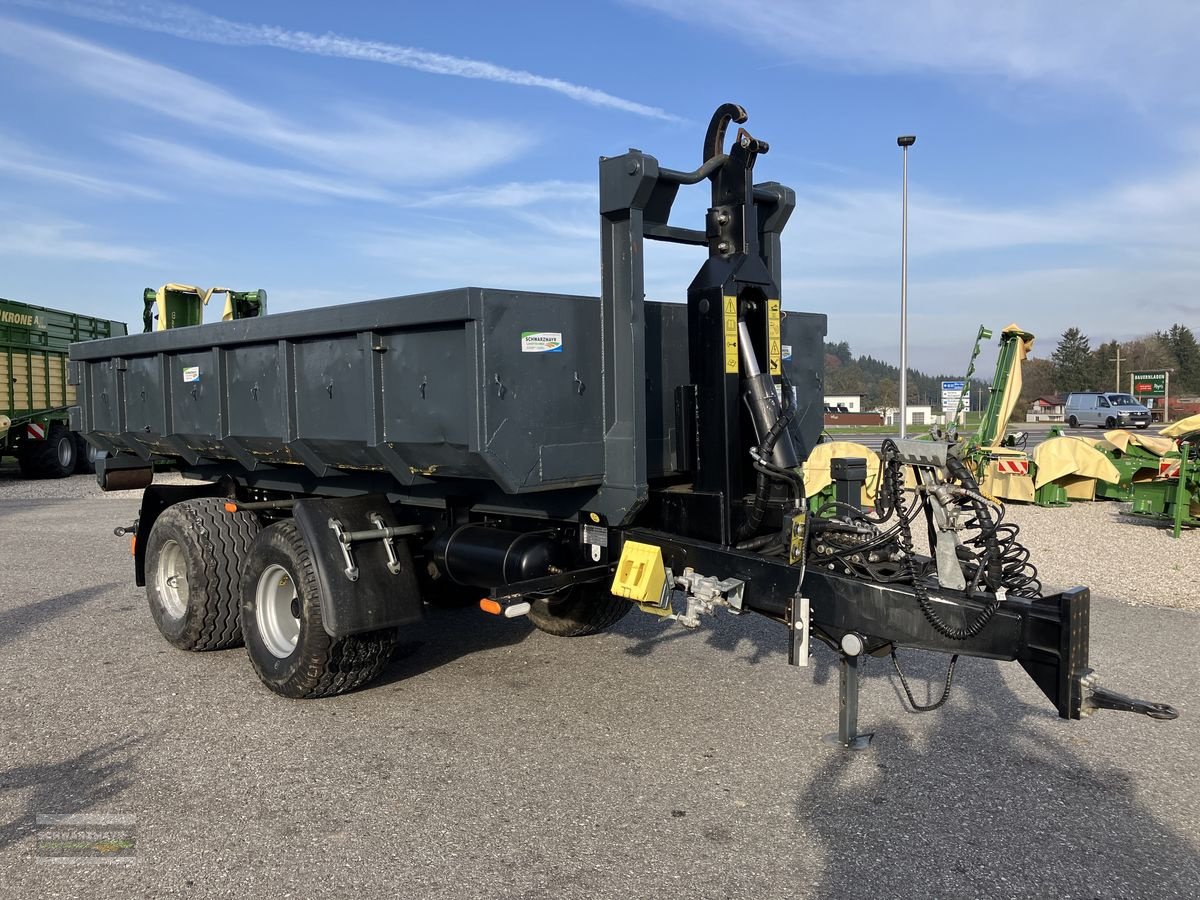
x=194 y=557
x=85 y=456
x=583 y=610
x=52 y=458
x=281 y=621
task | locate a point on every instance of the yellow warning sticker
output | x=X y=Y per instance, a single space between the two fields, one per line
x=731 y=336
x=773 y=345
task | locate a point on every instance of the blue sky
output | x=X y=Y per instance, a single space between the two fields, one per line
x=337 y=152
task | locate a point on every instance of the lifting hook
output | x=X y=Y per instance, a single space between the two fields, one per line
x=714 y=139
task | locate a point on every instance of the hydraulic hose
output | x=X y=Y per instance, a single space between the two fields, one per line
x=895 y=479
x=912 y=701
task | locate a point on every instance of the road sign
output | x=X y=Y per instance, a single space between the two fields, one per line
x=952 y=395
x=1149 y=384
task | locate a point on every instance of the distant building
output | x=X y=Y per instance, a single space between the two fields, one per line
x=1046 y=409
x=1181 y=408
x=917 y=415
x=846 y=403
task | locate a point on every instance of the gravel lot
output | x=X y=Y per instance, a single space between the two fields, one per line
x=495 y=761
x=1115 y=555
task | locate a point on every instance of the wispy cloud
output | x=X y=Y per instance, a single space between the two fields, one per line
x=544 y=209
x=944 y=312
x=558 y=250
x=356 y=141
x=1130 y=248
x=21 y=235
x=512 y=195
x=25 y=162
x=1142 y=52
x=845 y=228
x=229 y=176
x=187 y=22
x=485 y=257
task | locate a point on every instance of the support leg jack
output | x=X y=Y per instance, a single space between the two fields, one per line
x=847 y=734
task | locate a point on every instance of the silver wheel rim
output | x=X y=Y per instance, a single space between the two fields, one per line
x=171 y=579
x=65 y=452
x=274 y=599
x=91 y=453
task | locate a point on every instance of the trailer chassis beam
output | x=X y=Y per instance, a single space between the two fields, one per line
x=1047 y=635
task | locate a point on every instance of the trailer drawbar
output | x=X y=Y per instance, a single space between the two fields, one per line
x=567 y=458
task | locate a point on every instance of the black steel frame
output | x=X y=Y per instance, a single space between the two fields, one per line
x=742 y=233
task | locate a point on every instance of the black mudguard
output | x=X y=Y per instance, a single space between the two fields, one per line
x=377 y=599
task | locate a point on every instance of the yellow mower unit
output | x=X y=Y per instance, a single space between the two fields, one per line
x=1067 y=468
x=180 y=305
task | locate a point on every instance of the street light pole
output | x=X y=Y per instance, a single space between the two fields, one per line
x=904 y=141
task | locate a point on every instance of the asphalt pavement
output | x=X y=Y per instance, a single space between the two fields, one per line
x=495 y=761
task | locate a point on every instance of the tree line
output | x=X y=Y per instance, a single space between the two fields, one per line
x=879 y=381
x=1075 y=366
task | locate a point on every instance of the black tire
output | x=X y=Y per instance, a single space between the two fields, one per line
x=1110 y=422
x=583 y=610
x=52 y=458
x=317 y=665
x=1073 y=422
x=210 y=546
x=1143 y=425
x=85 y=456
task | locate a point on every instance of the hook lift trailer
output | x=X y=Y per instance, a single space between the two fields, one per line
x=567 y=457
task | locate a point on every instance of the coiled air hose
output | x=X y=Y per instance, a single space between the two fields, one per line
x=895 y=479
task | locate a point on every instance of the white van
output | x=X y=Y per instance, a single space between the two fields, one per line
x=1105 y=410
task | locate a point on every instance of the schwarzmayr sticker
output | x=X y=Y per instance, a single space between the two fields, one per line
x=541 y=342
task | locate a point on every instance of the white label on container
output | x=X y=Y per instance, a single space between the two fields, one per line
x=190 y=374
x=786 y=351
x=595 y=534
x=541 y=342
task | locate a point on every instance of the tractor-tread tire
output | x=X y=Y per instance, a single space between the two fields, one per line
x=39 y=459
x=581 y=611
x=215 y=544
x=320 y=665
